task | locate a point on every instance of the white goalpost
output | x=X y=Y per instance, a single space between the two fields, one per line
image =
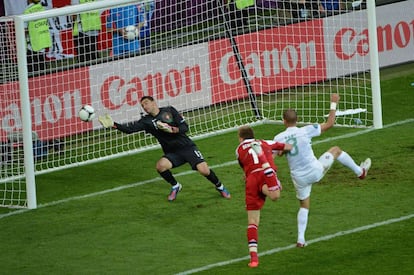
x=220 y=66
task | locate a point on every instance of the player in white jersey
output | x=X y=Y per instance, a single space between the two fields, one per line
x=305 y=168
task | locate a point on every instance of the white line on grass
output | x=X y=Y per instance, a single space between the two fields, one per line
x=20 y=211
x=279 y=249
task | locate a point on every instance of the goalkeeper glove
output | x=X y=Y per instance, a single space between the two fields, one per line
x=106 y=121
x=165 y=127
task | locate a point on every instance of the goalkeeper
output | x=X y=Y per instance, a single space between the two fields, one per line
x=169 y=128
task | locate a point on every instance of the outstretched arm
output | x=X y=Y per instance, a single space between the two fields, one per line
x=279 y=148
x=332 y=113
x=286 y=148
x=129 y=128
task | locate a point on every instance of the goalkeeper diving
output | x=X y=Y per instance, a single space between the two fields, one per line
x=169 y=128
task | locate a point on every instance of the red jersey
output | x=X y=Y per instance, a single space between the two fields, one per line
x=256 y=175
x=249 y=160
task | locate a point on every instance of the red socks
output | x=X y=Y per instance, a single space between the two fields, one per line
x=252 y=238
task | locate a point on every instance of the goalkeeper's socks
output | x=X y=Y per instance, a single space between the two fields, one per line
x=168 y=176
x=214 y=179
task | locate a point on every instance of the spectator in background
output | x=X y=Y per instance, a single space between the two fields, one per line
x=239 y=13
x=38 y=36
x=332 y=6
x=2 y=10
x=145 y=36
x=56 y=25
x=118 y=19
x=3 y=38
x=86 y=28
x=304 y=9
x=56 y=51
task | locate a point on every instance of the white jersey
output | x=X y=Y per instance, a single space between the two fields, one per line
x=301 y=159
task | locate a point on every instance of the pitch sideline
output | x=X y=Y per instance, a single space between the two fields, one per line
x=20 y=211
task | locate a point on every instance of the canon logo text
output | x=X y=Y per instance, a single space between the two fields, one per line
x=348 y=42
x=116 y=91
x=50 y=109
x=271 y=63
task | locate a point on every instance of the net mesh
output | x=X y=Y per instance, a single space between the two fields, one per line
x=219 y=65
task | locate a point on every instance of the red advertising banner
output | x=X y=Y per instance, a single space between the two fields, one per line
x=348 y=42
x=285 y=60
x=273 y=59
x=55 y=101
x=118 y=86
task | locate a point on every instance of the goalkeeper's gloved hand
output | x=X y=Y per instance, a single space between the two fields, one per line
x=166 y=127
x=106 y=121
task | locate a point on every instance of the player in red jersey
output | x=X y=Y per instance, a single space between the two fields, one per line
x=256 y=159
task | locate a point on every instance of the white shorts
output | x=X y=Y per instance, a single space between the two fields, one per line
x=303 y=184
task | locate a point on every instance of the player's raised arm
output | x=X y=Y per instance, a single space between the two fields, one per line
x=332 y=113
x=128 y=128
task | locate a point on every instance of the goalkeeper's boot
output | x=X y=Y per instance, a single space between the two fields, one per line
x=365 y=165
x=174 y=192
x=223 y=192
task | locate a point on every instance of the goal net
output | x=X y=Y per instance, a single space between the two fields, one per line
x=220 y=64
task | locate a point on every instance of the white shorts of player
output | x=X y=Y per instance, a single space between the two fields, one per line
x=303 y=184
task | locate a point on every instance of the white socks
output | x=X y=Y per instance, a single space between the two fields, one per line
x=347 y=161
x=302 y=223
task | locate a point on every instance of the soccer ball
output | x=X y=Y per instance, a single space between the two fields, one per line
x=86 y=113
x=131 y=32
